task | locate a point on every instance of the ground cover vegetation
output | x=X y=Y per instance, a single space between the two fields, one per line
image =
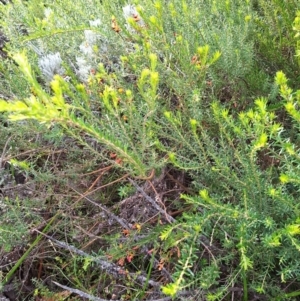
x=149 y=150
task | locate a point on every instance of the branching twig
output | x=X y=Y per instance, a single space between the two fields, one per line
x=109 y=267
x=93 y=298
x=80 y=293
x=124 y=223
x=150 y=200
x=103 y=208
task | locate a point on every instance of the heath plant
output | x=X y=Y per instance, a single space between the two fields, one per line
x=186 y=84
x=275 y=37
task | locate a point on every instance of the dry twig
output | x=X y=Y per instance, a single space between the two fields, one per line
x=104 y=265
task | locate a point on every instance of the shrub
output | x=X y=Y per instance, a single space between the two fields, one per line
x=189 y=85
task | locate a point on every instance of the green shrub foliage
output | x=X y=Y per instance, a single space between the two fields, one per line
x=192 y=84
